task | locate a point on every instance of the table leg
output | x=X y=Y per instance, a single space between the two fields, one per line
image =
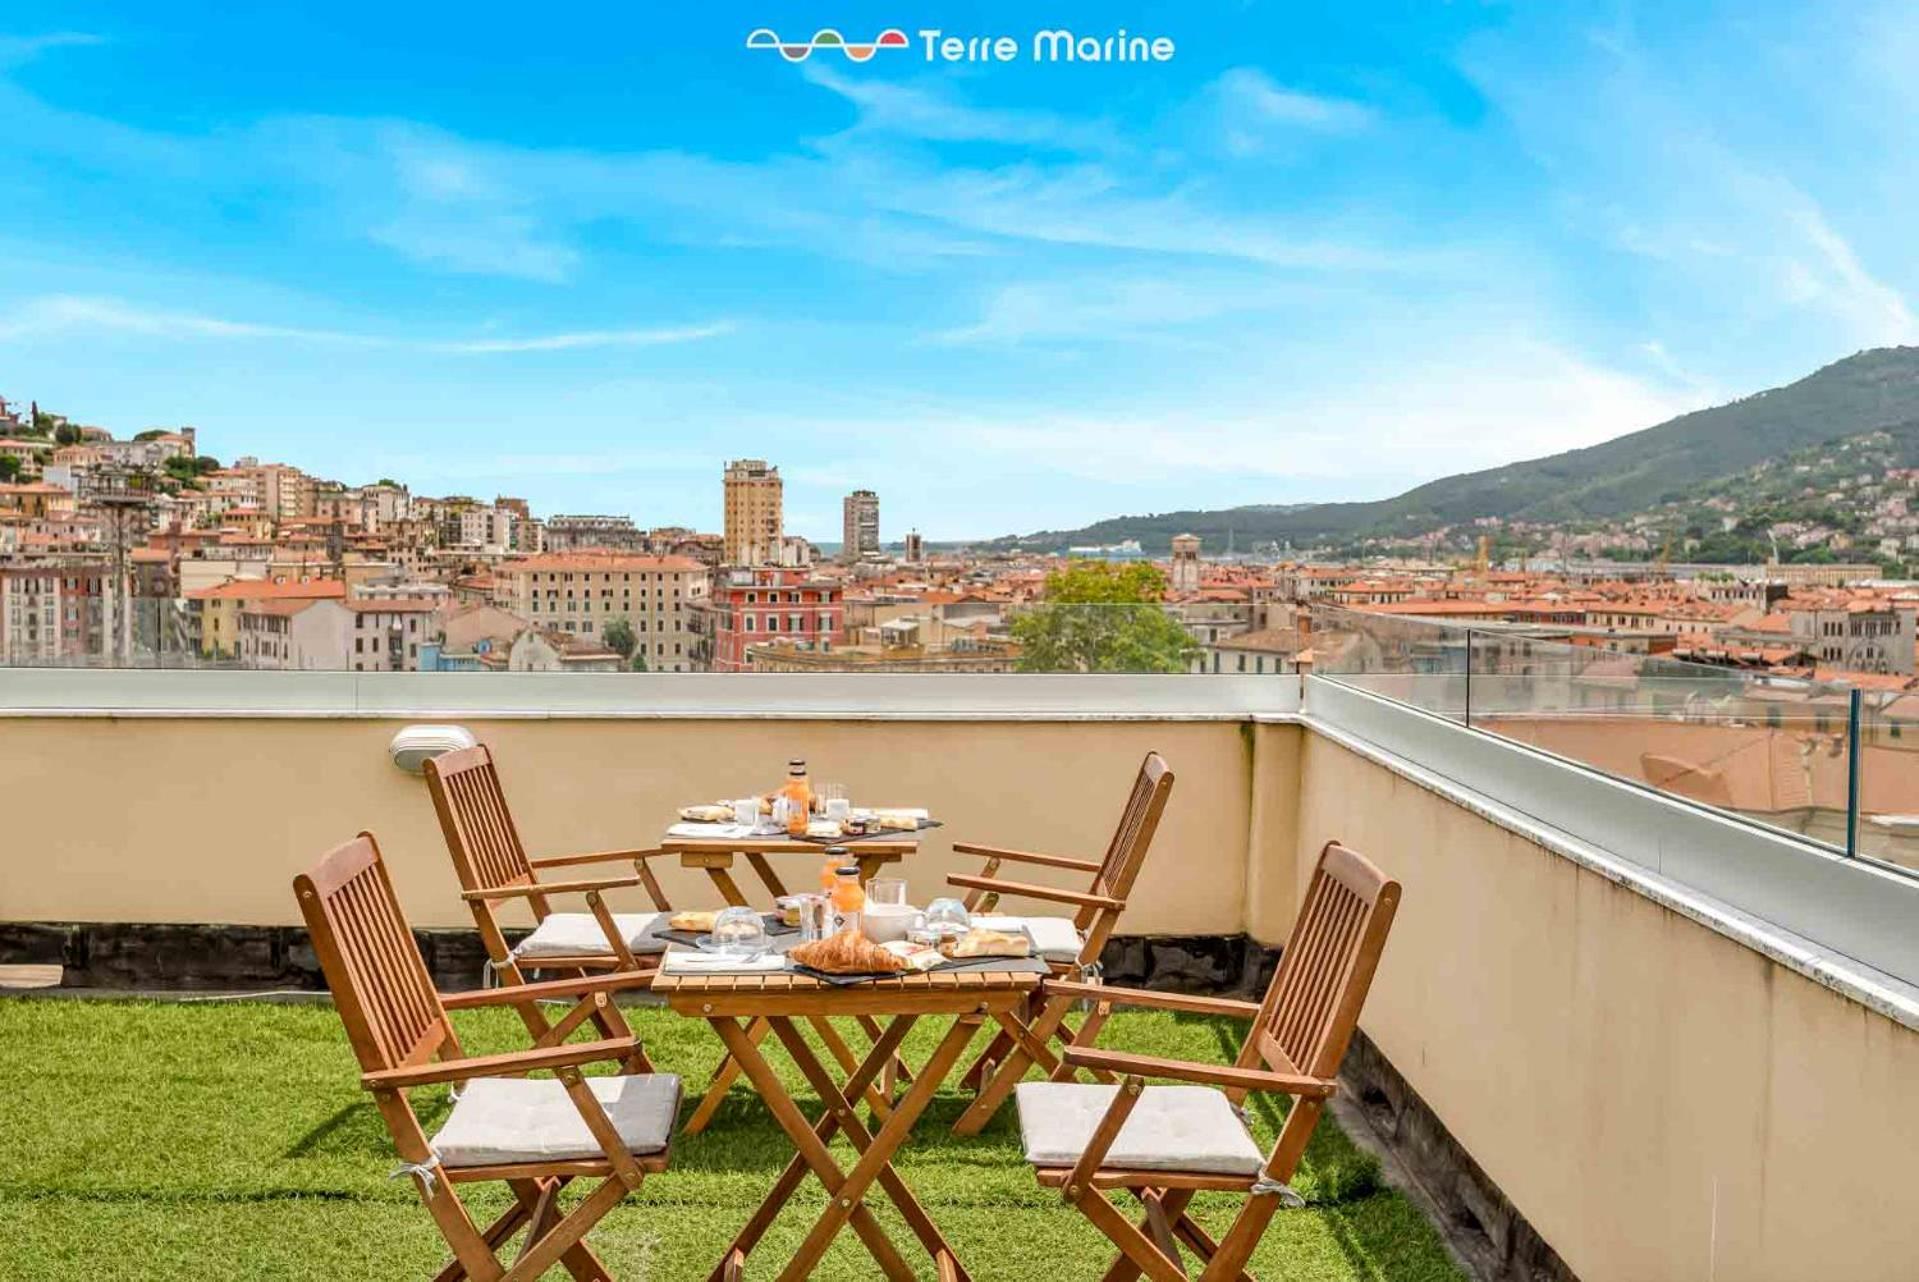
x=811 y=1143
x=723 y=1078
x=836 y=1047
x=846 y=1202
x=729 y=889
x=862 y=1140
x=764 y=867
x=1026 y=1038
x=827 y=1127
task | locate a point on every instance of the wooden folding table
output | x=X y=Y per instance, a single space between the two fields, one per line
x=731 y=1004
x=715 y=855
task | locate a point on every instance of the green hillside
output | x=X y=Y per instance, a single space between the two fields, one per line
x=1862 y=393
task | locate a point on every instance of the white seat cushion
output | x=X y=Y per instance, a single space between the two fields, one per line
x=1056 y=938
x=1172 y=1128
x=503 y=1120
x=580 y=935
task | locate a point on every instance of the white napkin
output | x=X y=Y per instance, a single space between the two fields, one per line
x=677 y=962
x=696 y=831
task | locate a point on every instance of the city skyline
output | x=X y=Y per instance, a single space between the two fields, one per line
x=591 y=271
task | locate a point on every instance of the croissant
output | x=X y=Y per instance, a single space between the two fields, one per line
x=847 y=953
x=980 y=942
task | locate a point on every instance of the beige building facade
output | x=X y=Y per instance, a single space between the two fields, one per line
x=583 y=592
x=754 y=512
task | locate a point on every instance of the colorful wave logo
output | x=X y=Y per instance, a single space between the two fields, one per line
x=827 y=38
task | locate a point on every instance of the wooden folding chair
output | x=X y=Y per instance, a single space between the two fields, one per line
x=1071 y=946
x=536 y=1136
x=494 y=870
x=1164 y=1144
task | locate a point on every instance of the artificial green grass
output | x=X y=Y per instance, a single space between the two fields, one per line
x=217 y=1141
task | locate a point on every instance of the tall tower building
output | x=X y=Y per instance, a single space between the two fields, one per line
x=753 y=512
x=860 y=525
x=915 y=547
x=1185 y=563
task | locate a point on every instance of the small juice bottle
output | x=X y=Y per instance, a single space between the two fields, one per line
x=836 y=859
x=799 y=798
x=849 y=898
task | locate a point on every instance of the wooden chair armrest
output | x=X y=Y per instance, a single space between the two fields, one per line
x=554 y=888
x=594 y=857
x=1179 y=1070
x=547 y=990
x=1025 y=857
x=999 y=886
x=512 y=1064
x=1158 y=1001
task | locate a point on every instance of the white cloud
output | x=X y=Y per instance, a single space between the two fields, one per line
x=1877 y=310
x=1104 y=309
x=1432 y=418
x=928 y=111
x=18 y=50
x=1255 y=111
x=67 y=313
x=587 y=338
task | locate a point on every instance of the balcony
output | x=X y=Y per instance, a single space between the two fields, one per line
x=1623 y=1029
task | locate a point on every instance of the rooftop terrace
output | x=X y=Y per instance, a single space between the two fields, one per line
x=1623 y=1029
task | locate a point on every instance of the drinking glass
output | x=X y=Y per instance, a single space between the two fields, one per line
x=888 y=891
x=746 y=812
x=833 y=802
x=816 y=917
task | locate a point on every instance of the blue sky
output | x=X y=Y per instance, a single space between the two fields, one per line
x=586 y=252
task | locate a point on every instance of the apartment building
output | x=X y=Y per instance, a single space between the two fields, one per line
x=860 y=525
x=387 y=635
x=571 y=533
x=213 y=614
x=1859 y=636
x=52 y=609
x=294 y=634
x=773 y=604
x=755 y=517
x=581 y=592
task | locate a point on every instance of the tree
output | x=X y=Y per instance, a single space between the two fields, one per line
x=66 y=434
x=1103 y=617
x=9 y=468
x=619 y=637
x=639 y=661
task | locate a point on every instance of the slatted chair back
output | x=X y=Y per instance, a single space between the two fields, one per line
x=1126 y=853
x=380 y=985
x=480 y=833
x=1137 y=823
x=1312 y=1006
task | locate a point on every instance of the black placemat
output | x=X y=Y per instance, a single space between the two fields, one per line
x=981 y=965
x=774 y=927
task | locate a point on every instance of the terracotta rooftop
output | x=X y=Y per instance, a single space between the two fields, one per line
x=268 y=589
x=600 y=562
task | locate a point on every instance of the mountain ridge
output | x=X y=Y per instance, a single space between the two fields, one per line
x=1867 y=391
